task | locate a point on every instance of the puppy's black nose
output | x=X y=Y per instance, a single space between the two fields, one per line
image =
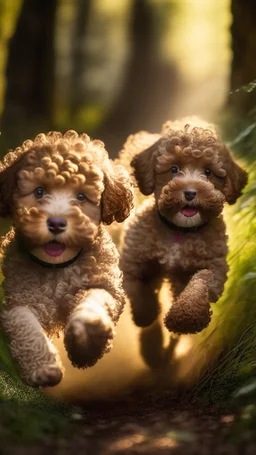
x=56 y=225
x=190 y=194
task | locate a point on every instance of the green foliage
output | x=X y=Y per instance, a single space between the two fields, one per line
x=27 y=415
x=247 y=88
x=228 y=347
x=6 y=363
x=28 y=423
x=243 y=402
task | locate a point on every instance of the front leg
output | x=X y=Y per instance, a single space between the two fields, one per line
x=90 y=329
x=191 y=312
x=37 y=358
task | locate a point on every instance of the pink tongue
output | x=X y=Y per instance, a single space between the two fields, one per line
x=188 y=212
x=54 y=249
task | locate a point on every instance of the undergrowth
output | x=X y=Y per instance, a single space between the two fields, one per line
x=225 y=357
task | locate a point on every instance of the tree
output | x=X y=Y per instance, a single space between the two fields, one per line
x=28 y=103
x=148 y=87
x=78 y=89
x=243 y=69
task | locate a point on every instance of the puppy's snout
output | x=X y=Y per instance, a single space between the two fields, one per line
x=190 y=194
x=56 y=225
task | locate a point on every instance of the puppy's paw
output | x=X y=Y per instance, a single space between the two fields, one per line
x=184 y=322
x=205 y=275
x=45 y=376
x=191 y=313
x=88 y=336
x=144 y=317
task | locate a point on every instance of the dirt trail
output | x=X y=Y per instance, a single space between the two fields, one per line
x=145 y=426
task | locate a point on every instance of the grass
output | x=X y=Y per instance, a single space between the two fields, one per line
x=224 y=358
x=23 y=423
x=29 y=416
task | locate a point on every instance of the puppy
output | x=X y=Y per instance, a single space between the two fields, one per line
x=60 y=266
x=179 y=234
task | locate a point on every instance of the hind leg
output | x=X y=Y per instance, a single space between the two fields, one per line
x=143 y=296
x=152 y=345
x=152 y=348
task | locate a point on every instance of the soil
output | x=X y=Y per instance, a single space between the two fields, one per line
x=142 y=425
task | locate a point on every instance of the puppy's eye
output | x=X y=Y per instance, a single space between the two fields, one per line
x=207 y=172
x=174 y=169
x=81 y=197
x=39 y=193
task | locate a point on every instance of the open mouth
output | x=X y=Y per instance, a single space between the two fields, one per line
x=188 y=211
x=54 y=248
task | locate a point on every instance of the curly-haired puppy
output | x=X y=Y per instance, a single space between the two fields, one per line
x=179 y=234
x=60 y=266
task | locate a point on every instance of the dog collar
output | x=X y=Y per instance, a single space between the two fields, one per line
x=54 y=266
x=178 y=228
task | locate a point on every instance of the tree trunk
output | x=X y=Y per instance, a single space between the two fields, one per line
x=28 y=104
x=78 y=89
x=244 y=51
x=149 y=85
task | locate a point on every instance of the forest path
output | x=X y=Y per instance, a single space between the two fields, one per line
x=143 y=426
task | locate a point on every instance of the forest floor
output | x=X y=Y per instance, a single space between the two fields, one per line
x=144 y=425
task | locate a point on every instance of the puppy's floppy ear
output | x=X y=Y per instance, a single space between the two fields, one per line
x=9 y=168
x=144 y=168
x=236 y=179
x=117 y=197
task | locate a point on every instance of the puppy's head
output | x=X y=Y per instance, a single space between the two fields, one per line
x=191 y=172
x=57 y=190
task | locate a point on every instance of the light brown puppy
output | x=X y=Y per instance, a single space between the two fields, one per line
x=179 y=234
x=60 y=266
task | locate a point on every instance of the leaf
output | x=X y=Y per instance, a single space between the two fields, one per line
x=246 y=389
x=249 y=276
x=248 y=88
x=242 y=135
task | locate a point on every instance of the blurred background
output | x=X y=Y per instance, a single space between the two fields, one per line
x=110 y=68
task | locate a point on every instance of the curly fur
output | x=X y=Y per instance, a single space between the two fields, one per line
x=84 y=299
x=161 y=247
